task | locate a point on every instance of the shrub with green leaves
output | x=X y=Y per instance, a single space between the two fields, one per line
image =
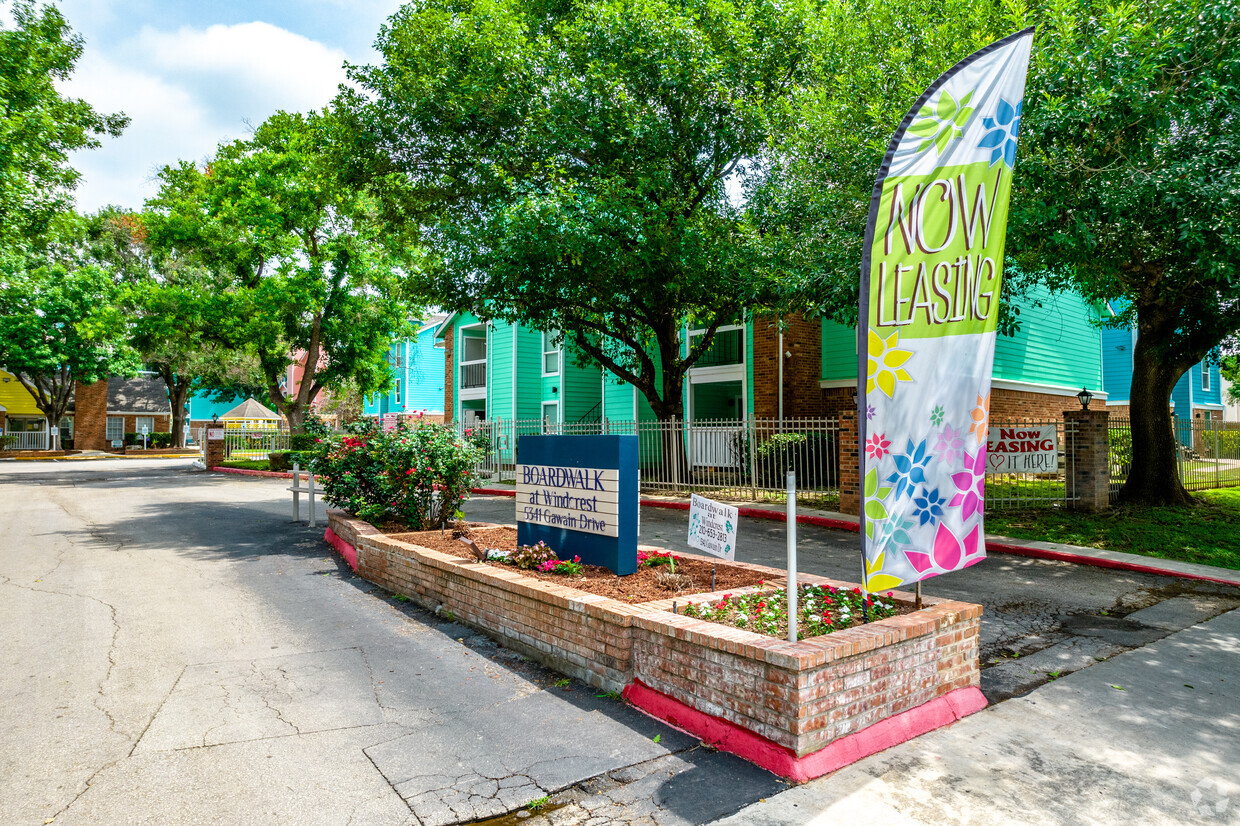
x=418 y=474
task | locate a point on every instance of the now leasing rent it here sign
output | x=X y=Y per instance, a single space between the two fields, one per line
x=579 y=495
x=1032 y=449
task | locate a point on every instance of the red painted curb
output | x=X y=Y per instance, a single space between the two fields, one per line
x=493 y=492
x=343 y=548
x=729 y=737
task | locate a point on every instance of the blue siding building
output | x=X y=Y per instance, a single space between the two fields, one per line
x=417 y=376
x=1197 y=395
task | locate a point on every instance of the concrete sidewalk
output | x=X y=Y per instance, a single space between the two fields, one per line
x=1149 y=736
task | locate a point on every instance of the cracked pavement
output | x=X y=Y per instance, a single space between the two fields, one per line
x=179 y=652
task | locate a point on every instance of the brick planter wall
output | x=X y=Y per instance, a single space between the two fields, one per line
x=799 y=709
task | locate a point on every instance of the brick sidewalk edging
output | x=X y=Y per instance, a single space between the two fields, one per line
x=798 y=709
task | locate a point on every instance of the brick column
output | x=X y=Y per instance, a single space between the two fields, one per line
x=214 y=454
x=90 y=415
x=1089 y=467
x=850 y=470
x=449 y=373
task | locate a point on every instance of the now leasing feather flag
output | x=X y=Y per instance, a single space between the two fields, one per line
x=930 y=282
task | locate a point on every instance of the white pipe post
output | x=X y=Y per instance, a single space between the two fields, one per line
x=311 y=475
x=792 y=556
x=296 y=492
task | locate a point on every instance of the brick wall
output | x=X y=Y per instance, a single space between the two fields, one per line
x=802 y=395
x=1018 y=404
x=90 y=415
x=800 y=696
x=806 y=695
x=449 y=375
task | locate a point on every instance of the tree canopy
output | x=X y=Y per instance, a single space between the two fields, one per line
x=303 y=271
x=39 y=127
x=52 y=333
x=1128 y=179
x=568 y=164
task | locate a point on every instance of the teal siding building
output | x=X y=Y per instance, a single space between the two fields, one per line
x=1037 y=372
x=508 y=371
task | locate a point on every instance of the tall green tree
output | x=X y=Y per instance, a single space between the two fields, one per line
x=568 y=164
x=39 y=127
x=810 y=194
x=1128 y=177
x=52 y=334
x=305 y=272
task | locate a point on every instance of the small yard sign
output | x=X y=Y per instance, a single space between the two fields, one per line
x=215 y=433
x=712 y=527
x=1031 y=449
x=390 y=420
x=579 y=495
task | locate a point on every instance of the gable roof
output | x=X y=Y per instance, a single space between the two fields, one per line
x=250 y=409
x=144 y=394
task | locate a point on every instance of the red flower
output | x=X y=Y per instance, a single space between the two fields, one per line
x=890 y=594
x=857 y=591
x=760 y=606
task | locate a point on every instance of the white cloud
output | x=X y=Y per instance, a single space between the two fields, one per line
x=286 y=70
x=188 y=90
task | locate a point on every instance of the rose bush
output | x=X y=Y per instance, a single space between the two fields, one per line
x=418 y=473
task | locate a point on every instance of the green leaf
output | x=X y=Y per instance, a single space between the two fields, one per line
x=946 y=109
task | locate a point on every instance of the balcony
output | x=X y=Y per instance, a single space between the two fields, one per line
x=727 y=349
x=474 y=379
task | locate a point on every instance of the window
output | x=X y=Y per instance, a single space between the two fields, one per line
x=551 y=354
x=144 y=421
x=66 y=428
x=396 y=392
x=1205 y=377
x=115 y=430
x=475 y=348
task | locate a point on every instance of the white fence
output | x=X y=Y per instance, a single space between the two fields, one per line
x=1207 y=451
x=27 y=440
x=732 y=459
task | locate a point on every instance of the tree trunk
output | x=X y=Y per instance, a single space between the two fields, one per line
x=178 y=393
x=1155 y=475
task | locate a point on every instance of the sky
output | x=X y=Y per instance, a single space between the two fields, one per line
x=193 y=74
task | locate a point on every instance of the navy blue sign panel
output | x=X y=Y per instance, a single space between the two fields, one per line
x=579 y=495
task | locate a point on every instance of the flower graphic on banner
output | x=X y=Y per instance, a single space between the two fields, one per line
x=893 y=532
x=876 y=447
x=949 y=446
x=910 y=468
x=971 y=482
x=885 y=364
x=870 y=411
x=980 y=416
x=875 y=581
x=875 y=508
x=936 y=415
x=948 y=552
x=1001 y=132
x=938 y=125
x=929 y=507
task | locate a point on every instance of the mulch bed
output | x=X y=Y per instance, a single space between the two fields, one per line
x=638 y=587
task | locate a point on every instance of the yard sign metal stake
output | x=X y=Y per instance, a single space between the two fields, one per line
x=792 y=556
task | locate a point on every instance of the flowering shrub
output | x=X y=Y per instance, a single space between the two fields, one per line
x=821 y=609
x=530 y=557
x=562 y=566
x=652 y=559
x=418 y=473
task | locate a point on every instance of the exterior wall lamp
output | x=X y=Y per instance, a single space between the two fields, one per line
x=1084 y=397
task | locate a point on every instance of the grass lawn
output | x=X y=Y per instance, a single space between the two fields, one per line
x=245 y=464
x=1208 y=534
